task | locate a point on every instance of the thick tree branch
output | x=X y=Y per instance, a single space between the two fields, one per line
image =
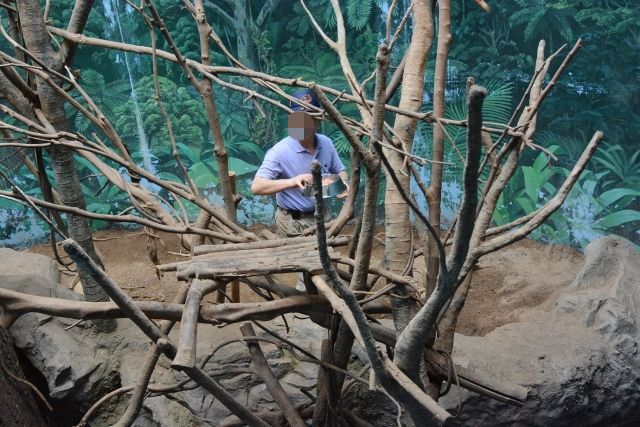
x=414 y=337
x=347 y=305
x=156 y=335
x=77 y=22
x=261 y=367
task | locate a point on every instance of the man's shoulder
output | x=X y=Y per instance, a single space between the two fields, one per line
x=284 y=144
x=324 y=141
x=323 y=138
x=281 y=147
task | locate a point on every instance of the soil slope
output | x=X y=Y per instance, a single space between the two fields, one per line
x=505 y=284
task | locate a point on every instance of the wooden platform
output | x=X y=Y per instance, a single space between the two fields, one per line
x=298 y=254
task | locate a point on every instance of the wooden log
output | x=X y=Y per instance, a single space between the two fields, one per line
x=186 y=353
x=262 y=369
x=14 y=304
x=259 y=267
x=258 y=254
x=264 y=244
x=269 y=235
x=221 y=258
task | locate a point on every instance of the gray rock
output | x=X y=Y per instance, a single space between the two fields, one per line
x=579 y=360
x=79 y=365
x=31 y=274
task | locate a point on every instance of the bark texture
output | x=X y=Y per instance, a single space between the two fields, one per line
x=17 y=405
x=434 y=192
x=37 y=40
x=398 y=241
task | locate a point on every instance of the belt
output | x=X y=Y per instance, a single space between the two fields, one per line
x=296 y=214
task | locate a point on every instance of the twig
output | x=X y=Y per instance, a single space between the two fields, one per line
x=27 y=383
x=403 y=21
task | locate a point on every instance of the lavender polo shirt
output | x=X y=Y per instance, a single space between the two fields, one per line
x=288 y=158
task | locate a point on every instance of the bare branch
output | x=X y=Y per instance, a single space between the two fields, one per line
x=210 y=72
x=339 y=120
x=332 y=44
x=550 y=207
x=77 y=22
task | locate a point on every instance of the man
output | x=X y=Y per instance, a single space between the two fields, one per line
x=286 y=170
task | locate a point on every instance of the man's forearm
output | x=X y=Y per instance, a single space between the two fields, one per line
x=266 y=187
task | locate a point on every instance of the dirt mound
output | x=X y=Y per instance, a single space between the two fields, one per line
x=505 y=284
x=509 y=282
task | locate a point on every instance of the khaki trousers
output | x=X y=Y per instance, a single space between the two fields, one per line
x=286 y=226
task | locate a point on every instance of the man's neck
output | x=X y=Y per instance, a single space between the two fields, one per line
x=309 y=143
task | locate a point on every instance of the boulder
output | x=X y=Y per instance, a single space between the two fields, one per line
x=578 y=357
x=78 y=364
x=81 y=365
x=31 y=274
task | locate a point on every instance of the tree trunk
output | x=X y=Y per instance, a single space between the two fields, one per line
x=205 y=89
x=434 y=192
x=242 y=23
x=17 y=404
x=397 y=222
x=37 y=40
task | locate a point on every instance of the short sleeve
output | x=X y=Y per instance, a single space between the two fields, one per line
x=336 y=164
x=271 y=168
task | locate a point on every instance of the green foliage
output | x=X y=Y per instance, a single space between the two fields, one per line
x=586 y=214
x=186 y=112
x=358 y=12
x=324 y=69
x=619 y=169
x=542 y=18
x=95 y=85
x=496 y=108
x=187 y=38
x=601 y=90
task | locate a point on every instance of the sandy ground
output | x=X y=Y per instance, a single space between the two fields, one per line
x=505 y=283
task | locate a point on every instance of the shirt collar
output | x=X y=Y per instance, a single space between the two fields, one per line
x=300 y=149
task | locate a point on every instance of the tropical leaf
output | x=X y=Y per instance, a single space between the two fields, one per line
x=189 y=152
x=240 y=167
x=496 y=108
x=610 y=197
x=615 y=219
x=358 y=12
x=202 y=175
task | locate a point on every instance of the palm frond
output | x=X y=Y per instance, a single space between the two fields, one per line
x=358 y=12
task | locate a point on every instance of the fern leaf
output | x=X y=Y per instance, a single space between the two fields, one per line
x=358 y=12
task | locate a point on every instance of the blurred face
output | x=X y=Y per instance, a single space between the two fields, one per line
x=301 y=126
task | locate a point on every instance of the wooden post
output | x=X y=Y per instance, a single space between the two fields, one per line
x=235 y=285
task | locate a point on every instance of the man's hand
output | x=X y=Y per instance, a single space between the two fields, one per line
x=301 y=180
x=345 y=193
